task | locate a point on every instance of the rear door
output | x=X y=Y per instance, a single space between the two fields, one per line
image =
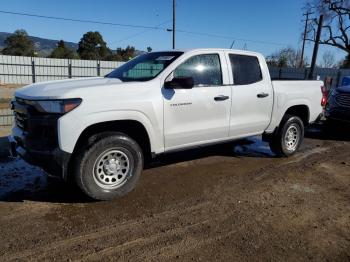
x=252 y=96
x=201 y=114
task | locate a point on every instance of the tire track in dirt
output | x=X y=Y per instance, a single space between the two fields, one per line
x=102 y=232
x=181 y=232
x=186 y=227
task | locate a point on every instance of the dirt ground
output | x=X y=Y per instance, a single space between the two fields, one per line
x=223 y=203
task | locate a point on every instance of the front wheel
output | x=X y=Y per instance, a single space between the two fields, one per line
x=288 y=137
x=110 y=167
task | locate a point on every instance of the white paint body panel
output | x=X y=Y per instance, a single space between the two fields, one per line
x=250 y=115
x=290 y=93
x=170 y=127
x=204 y=119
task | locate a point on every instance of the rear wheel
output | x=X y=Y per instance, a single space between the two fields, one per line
x=288 y=137
x=110 y=167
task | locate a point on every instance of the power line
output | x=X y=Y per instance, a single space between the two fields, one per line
x=83 y=21
x=139 y=33
x=144 y=27
x=230 y=37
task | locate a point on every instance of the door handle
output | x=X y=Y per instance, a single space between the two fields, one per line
x=221 y=98
x=262 y=95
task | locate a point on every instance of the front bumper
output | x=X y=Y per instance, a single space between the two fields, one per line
x=53 y=160
x=35 y=139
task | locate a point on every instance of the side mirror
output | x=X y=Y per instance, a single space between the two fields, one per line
x=180 y=83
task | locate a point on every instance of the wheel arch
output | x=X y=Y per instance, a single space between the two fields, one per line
x=132 y=128
x=301 y=111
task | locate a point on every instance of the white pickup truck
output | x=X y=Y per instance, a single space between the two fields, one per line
x=98 y=131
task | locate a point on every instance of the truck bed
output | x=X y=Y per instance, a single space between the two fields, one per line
x=288 y=92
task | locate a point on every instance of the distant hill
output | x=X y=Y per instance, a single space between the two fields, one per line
x=42 y=45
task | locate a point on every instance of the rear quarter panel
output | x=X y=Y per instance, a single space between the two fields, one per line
x=292 y=93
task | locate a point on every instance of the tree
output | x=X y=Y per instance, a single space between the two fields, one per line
x=19 y=44
x=149 y=49
x=61 y=51
x=328 y=60
x=345 y=64
x=127 y=53
x=285 y=57
x=336 y=23
x=122 y=54
x=93 y=47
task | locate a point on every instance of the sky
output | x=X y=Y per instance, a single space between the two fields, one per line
x=256 y=25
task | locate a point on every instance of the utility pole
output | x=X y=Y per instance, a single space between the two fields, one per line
x=174 y=22
x=317 y=43
x=304 y=38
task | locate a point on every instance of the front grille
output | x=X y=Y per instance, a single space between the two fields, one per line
x=21 y=113
x=39 y=129
x=343 y=100
x=21 y=120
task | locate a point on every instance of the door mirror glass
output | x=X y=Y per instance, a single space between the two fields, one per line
x=180 y=83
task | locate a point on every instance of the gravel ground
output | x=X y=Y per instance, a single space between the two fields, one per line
x=229 y=202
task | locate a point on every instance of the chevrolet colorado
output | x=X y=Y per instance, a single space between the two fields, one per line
x=98 y=131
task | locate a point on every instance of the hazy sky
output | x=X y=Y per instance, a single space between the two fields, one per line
x=269 y=24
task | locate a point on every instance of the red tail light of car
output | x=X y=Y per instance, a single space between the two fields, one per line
x=325 y=93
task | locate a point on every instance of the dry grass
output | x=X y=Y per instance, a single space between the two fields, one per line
x=5 y=131
x=4 y=103
x=11 y=86
x=6 y=93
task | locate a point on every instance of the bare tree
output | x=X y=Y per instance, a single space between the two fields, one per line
x=336 y=24
x=328 y=60
x=285 y=57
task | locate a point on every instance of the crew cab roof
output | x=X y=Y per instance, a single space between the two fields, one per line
x=213 y=50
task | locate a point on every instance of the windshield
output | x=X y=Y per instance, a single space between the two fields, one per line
x=144 y=67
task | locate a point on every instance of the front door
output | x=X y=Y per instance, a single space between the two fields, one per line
x=201 y=114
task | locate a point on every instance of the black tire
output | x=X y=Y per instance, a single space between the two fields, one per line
x=278 y=144
x=89 y=159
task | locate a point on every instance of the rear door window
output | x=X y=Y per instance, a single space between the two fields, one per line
x=245 y=69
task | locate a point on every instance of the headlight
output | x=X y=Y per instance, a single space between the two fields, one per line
x=57 y=106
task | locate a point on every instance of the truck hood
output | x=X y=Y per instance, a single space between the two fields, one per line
x=63 y=88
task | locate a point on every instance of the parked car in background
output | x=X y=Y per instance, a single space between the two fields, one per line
x=345 y=81
x=338 y=105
